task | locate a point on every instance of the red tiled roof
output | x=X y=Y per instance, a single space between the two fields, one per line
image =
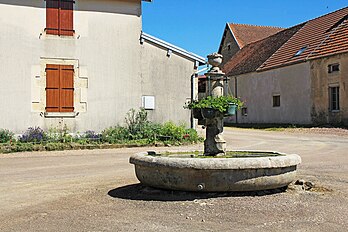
x=322 y=36
x=253 y=55
x=246 y=34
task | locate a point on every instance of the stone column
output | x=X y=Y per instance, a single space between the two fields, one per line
x=215 y=143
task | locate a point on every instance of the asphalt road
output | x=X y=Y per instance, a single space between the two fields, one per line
x=98 y=191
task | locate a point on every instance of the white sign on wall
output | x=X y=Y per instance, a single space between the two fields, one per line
x=148 y=102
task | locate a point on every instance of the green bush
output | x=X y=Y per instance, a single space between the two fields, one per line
x=115 y=134
x=6 y=136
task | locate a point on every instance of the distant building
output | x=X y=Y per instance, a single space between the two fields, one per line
x=237 y=36
x=84 y=64
x=297 y=76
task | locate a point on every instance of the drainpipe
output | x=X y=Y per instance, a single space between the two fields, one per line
x=236 y=94
x=193 y=77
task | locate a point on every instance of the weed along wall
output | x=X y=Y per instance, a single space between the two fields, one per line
x=138 y=131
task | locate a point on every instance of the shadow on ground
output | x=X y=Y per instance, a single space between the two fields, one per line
x=145 y=193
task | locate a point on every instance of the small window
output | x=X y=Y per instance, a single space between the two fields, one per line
x=333 y=68
x=276 y=101
x=300 y=51
x=334 y=98
x=229 y=47
x=244 y=111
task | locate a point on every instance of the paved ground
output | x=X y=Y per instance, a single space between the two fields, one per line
x=97 y=191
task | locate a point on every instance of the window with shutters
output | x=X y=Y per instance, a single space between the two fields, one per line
x=59 y=88
x=60 y=17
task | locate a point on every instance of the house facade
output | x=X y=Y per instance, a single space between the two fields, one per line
x=296 y=76
x=84 y=64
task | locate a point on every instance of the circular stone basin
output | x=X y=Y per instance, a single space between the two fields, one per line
x=237 y=171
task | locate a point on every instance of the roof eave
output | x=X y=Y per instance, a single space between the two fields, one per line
x=173 y=48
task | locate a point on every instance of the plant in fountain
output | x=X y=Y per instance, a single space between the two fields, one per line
x=226 y=105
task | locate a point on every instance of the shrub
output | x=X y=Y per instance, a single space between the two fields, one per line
x=5 y=136
x=173 y=131
x=115 y=134
x=33 y=134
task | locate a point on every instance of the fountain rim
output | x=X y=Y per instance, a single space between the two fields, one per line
x=283 y=160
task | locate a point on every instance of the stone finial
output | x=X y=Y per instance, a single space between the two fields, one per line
x=215 y=59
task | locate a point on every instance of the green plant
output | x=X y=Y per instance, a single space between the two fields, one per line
x=218 y=103
x=58 y=134
x=136 y=122
x=115 y=134
x=6 y=136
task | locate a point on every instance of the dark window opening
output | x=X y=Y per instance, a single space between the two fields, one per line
x=244 y=111
x=202 y=84
x=334 y=98
x=333 y=68
x=276 y=101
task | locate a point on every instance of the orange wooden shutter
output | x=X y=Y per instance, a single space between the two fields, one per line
x=66 y=17
x=66 y=88
x=52 y=17
x=52 y=88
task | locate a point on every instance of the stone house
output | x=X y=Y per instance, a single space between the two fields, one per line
x=296 y=76
x=84 y=64
x=236 y=36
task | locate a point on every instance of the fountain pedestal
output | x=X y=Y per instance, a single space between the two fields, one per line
x=215 y=144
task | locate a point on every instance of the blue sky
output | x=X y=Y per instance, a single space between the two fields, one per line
x=197 y=25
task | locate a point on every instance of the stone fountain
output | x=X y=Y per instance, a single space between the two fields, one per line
x=215 y=169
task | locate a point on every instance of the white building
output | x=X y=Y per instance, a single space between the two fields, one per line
x=84 y=64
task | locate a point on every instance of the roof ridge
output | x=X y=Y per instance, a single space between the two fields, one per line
x=324 y=15
x=252 y=25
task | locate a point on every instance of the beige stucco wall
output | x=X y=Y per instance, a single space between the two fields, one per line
x=292 y=83
x=168 y=78
x=321 y=81
x=106 y=47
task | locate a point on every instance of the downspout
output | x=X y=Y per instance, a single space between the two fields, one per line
x=236 y=94
x=193 y=77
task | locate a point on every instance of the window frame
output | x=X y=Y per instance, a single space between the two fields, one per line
x=333 y=68
x=334 y=99
x=276 y=100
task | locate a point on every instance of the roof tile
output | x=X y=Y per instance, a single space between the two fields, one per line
x=246 y=34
